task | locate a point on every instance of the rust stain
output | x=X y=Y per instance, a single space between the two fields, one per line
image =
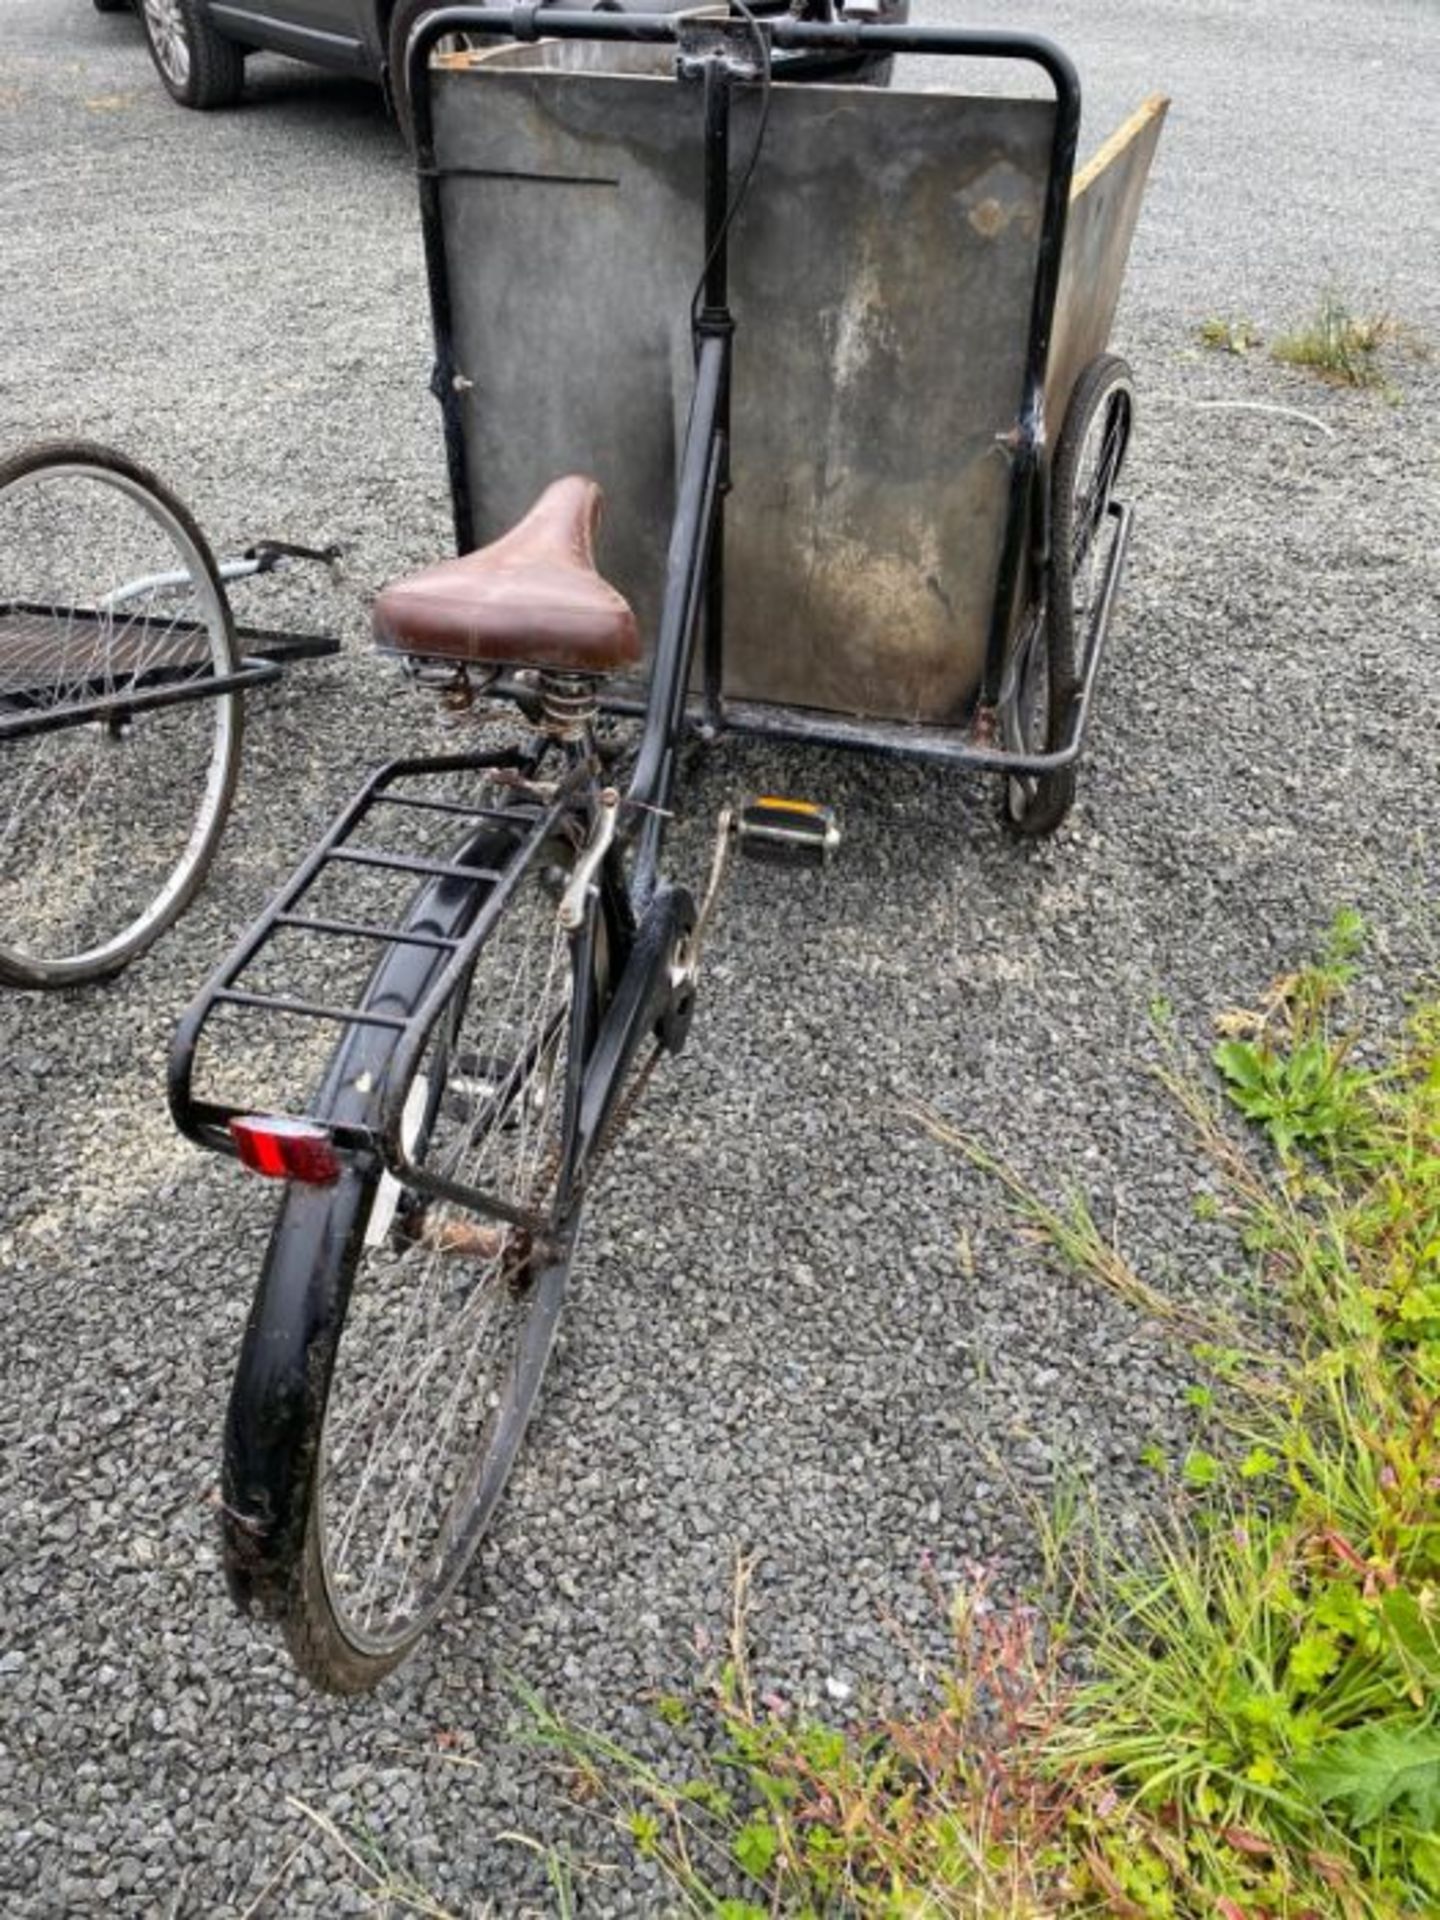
x=466 y=1237
x=989 y=219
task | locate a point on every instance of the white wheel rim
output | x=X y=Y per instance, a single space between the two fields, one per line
x=168 y=37
x=209 y=610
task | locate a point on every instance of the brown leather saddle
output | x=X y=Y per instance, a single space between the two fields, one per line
x=532 y=598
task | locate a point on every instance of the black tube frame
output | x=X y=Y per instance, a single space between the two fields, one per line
x=155 y=691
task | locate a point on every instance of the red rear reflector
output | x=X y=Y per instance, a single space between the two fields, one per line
x=286 y=1149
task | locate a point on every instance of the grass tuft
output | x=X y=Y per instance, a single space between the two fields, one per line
x=1070 y=1230
x=385 y=1891
x=1339 y=345
x=1230 y=336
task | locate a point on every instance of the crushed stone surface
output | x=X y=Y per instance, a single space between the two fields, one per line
x=797 y=1327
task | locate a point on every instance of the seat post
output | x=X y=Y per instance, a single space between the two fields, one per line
x=714 y=312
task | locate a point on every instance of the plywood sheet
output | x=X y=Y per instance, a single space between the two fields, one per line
x=1104 y=207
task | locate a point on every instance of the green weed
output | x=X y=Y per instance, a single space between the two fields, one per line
x=1230 y=336
x=1339 y=345
x=1286 y=1068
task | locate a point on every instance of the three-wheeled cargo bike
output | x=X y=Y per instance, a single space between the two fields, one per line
x=839 y=355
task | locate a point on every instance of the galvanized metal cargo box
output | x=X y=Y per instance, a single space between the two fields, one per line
x=881 y=278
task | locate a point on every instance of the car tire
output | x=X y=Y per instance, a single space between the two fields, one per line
x=397 y=38
x=198 y=67
x=111 y=6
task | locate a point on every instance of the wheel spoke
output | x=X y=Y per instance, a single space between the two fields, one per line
x=427 y=1359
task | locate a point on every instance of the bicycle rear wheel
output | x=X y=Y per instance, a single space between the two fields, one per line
x=109 y=813
x=450 y=1314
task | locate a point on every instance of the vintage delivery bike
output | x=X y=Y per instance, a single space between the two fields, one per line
x=862 y=442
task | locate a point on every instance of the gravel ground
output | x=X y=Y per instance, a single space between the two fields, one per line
x=796 y=1326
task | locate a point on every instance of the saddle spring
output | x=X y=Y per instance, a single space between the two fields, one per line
x=569 y=705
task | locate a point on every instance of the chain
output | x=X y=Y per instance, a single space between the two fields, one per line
x=627 y=1104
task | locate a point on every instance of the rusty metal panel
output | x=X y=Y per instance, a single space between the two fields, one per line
x=1104 y=207
x=881 y=274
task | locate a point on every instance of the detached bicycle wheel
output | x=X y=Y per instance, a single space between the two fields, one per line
x=1089 y=460
x=451 y=1313
x=116 y=767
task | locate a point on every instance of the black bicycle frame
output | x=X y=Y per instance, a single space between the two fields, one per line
x=649 y=918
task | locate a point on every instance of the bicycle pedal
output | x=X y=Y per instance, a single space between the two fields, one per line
x=792 y=833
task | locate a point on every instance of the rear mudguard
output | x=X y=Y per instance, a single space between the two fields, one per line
x=277 y=1402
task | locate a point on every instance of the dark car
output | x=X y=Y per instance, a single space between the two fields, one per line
x=199 y=46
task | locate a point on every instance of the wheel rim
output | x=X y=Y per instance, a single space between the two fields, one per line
x=1077 y=573
x=450 y=1317
x=104 y=592
x=168 y=36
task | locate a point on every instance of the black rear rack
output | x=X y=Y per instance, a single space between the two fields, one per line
x=422 y=957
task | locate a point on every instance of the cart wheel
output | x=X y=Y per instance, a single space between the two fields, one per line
x=109 y=812
x=1089 y=459
x=198 y=67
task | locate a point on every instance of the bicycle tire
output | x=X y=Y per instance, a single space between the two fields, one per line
x=1103 y=396
x=377 y=1520
x=92 y=866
